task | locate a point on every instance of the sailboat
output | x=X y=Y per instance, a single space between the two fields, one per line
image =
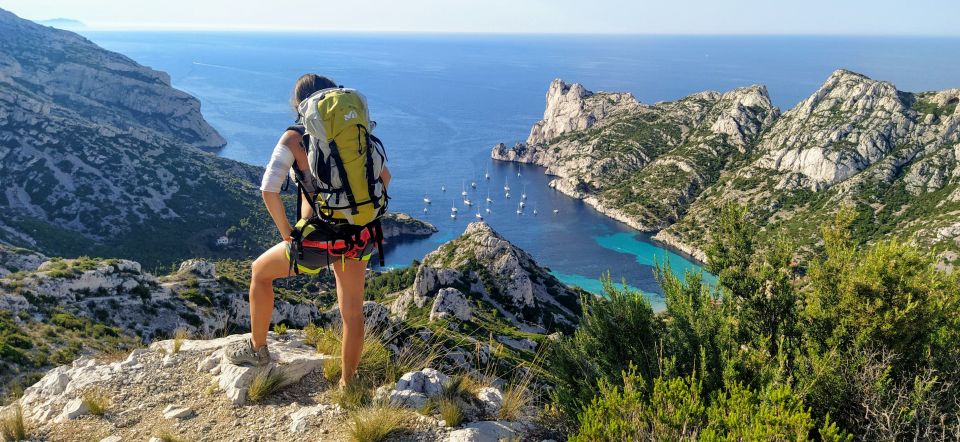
x=523 y=195
x=467 y=202
x=556 y=211
x=534 y=209
x=443 y=188
x=454 y=208
x=518 y=170
x=486 y=175
x=478 y=215
x=489 y=200
x=523 y=204
x=426 y=199
x=506 y=186
x=520 y=209
x=424 y=210
x=473 y=184
x=507 y=195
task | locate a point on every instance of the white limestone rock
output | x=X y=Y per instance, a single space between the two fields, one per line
x=450 y=302
x=491 y=398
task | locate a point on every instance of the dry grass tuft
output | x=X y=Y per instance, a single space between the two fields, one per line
x=451 y=411
x=352 y=396
x=265 y=383
x=178 y=337
x=12 y=427
x=96 y=400
x=377 y=423
x=167 y=436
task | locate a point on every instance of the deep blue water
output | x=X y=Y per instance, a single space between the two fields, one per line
x=442 y=101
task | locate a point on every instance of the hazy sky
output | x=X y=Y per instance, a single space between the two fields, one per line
x=899 y=17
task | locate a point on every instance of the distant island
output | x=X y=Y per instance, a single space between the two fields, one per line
x=63 y=23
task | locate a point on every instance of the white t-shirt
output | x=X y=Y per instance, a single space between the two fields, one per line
x=277 y=169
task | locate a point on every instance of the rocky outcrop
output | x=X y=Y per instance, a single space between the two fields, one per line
x=482 y=267
x=668 y=167
x=187 y=389
x=572 y=108
x=400 y=226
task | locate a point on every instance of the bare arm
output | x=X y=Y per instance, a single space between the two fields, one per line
x=291 y=140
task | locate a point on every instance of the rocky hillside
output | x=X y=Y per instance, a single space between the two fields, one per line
x=477 y=303
x=668 y=167
x=100 y=156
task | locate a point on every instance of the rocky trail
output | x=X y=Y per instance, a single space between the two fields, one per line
x=195 y=394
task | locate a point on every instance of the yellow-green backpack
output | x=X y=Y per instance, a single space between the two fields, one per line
x=345 y=162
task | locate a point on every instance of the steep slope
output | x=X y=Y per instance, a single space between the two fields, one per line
x=855 y=141
x=892 y=155
x=641 y=164
x=99 y=156
x=94 y=147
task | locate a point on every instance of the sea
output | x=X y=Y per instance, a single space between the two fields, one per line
x=441 y=101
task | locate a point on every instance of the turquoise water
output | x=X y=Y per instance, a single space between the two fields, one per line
x=442 y=101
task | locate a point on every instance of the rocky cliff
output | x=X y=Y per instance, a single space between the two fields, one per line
x=667 y=167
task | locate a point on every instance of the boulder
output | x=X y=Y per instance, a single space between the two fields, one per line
x=450 y=302
x=199 y=268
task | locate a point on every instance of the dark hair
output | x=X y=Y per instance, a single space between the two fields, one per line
x=306 y=85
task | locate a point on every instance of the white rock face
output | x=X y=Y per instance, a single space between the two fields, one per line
x=450 y=302
x=415 y=388
x=570 y=107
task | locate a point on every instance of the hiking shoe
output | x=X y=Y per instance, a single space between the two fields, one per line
x=241 y=353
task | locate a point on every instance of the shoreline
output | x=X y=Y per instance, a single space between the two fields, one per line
x=658 y=237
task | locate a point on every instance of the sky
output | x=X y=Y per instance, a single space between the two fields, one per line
x=817 y=17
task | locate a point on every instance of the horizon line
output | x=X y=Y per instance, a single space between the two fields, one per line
x=491 y=33
x=123 y=27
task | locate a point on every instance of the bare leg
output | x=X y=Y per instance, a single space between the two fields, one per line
x=271 y=265
x=350 y=281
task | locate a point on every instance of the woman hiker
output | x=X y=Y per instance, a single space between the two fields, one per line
x=276 y=262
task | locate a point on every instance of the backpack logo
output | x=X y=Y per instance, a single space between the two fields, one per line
x=350 y=115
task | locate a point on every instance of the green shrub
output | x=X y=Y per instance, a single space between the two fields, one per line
x=615 y=331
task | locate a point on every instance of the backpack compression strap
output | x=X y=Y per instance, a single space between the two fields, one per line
x=371 y=180
x=344 y=180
